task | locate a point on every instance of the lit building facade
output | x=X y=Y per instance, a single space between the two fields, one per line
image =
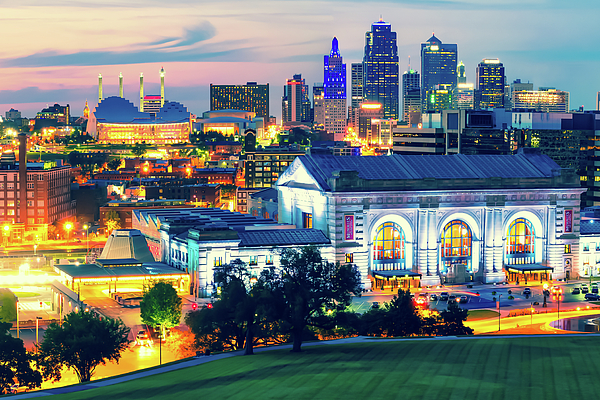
x=380 y=68
x=357 y=82
x=151 y=104
x=334 y=86
x=249 y=97
x=463 y=97
x=62 y=114
x=551 y=100
x=405 y=219
x=318 y=105
x=490 y=83
x=411 y=97
x=438 y=67
x=439 y=98
x=367 y=112
x=295 y=104
x=118 y=121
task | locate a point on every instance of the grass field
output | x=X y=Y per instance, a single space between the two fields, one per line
x=501 y=368
x=475 y=315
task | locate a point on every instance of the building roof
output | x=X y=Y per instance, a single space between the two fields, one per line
x=282 y=237
x=224 y=120
x=589 y=227
x=116 y=109
x=433 y=39
x=265 y=194
x=525 y=164
x=126 y=244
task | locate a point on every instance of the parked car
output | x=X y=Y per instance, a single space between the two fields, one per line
x=375 y=304
x=433 y=297
x=452 y=297
x=584 y=289
x=143 y=338
x=575 y=290
x=444 y=296
x=595 y=289
x=592 y=296
x=527 y=291
x=464 y=299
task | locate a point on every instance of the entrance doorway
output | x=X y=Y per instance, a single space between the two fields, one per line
x=457 y=273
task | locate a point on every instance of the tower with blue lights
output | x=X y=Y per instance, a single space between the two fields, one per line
x=380 y=68
x=334 y=87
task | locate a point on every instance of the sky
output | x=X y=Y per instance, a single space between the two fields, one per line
x=53 y=53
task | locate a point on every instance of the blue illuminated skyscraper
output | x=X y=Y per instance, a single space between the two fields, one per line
x=334 y=86
x=438 y=67
x=380 y=68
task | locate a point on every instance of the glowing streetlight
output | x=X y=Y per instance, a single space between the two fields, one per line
x=86 y=240
x=68 y=227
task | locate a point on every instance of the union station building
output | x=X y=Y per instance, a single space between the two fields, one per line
x=410 y=220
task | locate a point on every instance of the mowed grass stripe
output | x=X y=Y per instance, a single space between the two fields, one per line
x=496 y=369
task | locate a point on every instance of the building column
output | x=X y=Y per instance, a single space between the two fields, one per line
x=422 y=237
x=432 y=242
x=488 y=249
x=554 y=250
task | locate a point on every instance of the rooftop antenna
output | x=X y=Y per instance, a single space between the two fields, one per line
x=409 y=63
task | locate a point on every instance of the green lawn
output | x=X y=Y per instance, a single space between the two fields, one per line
x=475 y=315
x=517 y=368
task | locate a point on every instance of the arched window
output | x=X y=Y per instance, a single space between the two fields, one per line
x=520 y=242
x=455 y=244
x=456 y=240
x=388 y=247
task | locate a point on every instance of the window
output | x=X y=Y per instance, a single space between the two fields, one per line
x=388 y=247
x=520 y=242
x=253 y=260
x=586 y=247
x=11 y=212
x=10 y=203
x=10 y=186
x=567 y=249
x=40 y=220
x=456 y=240
x=269 y=259
x=349 y=258
x=40 y=211
x=218 y=261
x=307 y=221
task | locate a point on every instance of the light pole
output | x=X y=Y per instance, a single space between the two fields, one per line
x=558 y=297
x=68 y=227
x=37 y=326
x=499 y=296
x=86 y=241
x=17 y=318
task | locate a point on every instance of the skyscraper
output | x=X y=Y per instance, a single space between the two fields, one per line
x=411 y=96
x=380 y=68
x=335 y=92
x=438 y=66
x=357 y=84
x=490 y=83
x=295 y=104
x=461 y=73
x=318 y=110
x=249 y=97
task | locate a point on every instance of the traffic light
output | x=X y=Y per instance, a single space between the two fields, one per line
x=194 y=306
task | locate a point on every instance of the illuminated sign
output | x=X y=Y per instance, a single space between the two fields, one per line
x=493 y=61
x=349 y=227
x=435 y=47
x=370 y=106
x=568 y=221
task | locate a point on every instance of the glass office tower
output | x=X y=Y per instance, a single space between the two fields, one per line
x=380 y=68
x=438 y=66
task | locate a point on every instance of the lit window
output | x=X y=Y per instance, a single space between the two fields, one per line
x=567 y=249
x=253 y=260
x=307 y=220
x=349 y=258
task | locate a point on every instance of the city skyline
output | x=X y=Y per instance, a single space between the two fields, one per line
x=55 y=53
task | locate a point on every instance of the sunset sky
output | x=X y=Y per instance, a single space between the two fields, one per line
x=52 y=52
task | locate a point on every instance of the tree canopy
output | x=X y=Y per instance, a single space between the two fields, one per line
x=454 y=318
x=310 y=289
x=82 y=342
x=161 y=306
x=15 y=362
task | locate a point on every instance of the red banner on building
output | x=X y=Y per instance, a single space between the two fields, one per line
x=349 y=227
x=568 y=221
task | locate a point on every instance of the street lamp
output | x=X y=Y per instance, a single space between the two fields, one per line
x=558 y=297
x=499 y=296
x=86 y=241
x=37 y=325
x=68 y=227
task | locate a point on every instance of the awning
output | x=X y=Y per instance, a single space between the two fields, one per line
x=395 y=274
x=528 y=269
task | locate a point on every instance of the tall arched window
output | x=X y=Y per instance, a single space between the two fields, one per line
x=520 y=242
x=388 y=247
x=456 y=244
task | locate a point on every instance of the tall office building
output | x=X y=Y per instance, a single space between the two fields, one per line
x=490 y=83
x=318 y=109
x=463 y=97
x=461 y=73
x=295 y=104
x=357 y=84
x=438 y=67
x=598 y=101
x=411 y=97
x=549 y=100
x=250 y=97
x=335 y=92
x=516 y=86
x=380 y=68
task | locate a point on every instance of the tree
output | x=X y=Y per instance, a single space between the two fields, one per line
x=401 y=318
x=454 y=318
x=112 y=220
x=241 y=317
x=82 y=342
x=161 y=307
x=15 y=362
x=139 y=149
x=310 y=289
x=114 y=164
